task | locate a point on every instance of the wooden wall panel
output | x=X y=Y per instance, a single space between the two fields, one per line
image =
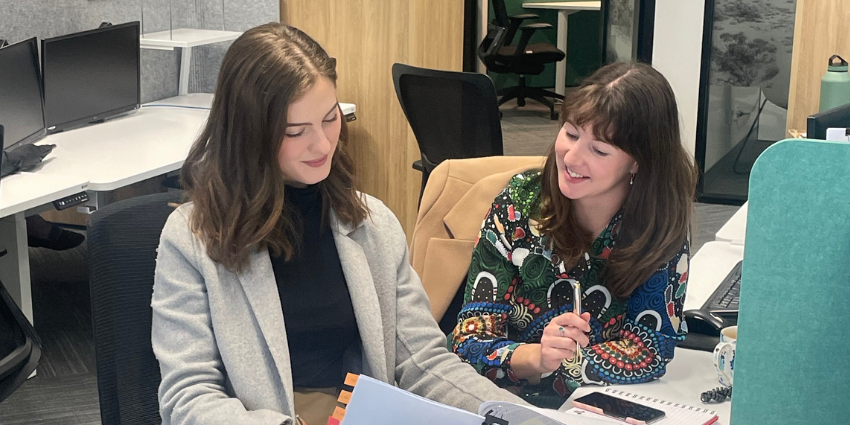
x=367 y=37
x=822 y=29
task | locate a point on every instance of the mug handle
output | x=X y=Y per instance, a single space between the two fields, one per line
x=725 y=350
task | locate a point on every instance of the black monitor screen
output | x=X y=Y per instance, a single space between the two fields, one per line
x=91 y=75
x=817 y=124
x=20 y=93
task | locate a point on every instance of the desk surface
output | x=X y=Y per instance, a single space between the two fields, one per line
x=735 y=229
x=126 y=150
x=688 y=375
x=564 y=5
x=22 y=191
x=708 y=268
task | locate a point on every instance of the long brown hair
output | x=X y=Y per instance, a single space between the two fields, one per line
x=232 y=173
x=631 y=106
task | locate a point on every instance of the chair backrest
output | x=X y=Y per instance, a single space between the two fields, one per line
x=20 y=346
x=122 y=242
x=452 y=114
x=488 y=49
x=500 y=13
x=456 y=199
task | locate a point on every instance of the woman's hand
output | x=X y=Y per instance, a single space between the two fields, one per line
x=561 y=338
x=529 y=361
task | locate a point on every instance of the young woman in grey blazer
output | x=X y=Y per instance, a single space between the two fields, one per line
x=279 y=277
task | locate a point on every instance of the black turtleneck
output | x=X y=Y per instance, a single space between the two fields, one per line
x=319 y=317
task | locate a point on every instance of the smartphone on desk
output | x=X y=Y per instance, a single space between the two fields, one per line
x=618 y=408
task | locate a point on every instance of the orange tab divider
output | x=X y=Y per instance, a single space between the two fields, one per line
x=344 y=397
x=339 y=413
x=351 y=379
x=333 y=421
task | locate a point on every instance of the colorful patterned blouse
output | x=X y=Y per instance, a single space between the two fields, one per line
x=516 y=286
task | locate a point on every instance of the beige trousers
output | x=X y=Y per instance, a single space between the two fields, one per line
x=315 y=405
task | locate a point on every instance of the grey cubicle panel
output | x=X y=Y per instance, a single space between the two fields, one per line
x=794 y=324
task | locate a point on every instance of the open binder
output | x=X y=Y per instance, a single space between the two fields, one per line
x=373 y=402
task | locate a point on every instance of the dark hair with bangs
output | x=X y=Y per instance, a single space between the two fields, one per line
x=630 y=106
x=232 y=174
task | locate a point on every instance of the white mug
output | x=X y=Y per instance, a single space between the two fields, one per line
x=724 y=355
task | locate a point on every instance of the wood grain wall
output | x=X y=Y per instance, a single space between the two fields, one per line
x=367 y=37
x=822 y=29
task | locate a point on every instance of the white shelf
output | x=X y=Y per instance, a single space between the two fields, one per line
x=186 y=37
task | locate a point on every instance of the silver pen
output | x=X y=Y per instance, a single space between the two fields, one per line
x=577 y=311
x=577 y=301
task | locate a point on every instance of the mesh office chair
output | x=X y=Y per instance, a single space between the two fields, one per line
x=20 y=346
x=453 y=115
x=122 y=242
x=500 y=55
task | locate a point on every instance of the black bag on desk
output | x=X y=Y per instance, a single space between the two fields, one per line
x=23 y=158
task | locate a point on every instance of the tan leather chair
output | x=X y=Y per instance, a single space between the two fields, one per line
x=455 y=202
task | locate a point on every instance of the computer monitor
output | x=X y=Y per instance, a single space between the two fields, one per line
x=21 y=110
x=90 y=76
x=817 y=124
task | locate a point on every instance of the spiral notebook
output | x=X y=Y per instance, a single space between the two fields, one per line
x=675 y=413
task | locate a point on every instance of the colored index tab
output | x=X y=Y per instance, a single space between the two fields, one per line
x=339 y=413
x=344 y=397
x=333 y=421
x=351 y=379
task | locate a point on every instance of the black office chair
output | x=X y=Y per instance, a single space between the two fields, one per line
x=453 y=115
x=500 y=55
x=20 y=346
x=122 y=242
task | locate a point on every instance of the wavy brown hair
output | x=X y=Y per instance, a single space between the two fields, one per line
x=630 y=106
x=232 y=173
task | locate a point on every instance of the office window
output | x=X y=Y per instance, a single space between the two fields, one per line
x=628 y=30
x=746 y=71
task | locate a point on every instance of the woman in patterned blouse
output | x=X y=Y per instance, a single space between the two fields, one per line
x=611 y=211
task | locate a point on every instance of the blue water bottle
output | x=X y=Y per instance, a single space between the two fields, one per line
x=835 y=84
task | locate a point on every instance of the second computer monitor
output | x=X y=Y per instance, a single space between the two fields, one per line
x=90 y=75
x=20 y=93
x=817 y=124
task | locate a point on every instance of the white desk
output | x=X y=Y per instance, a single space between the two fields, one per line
x=735 y=229
x=689 y=374
x=708 y=268
x=129 y=149
x=564 y=8
x=22 y=191
x=18 y=193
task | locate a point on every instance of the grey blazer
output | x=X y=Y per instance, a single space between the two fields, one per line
x=221 y=342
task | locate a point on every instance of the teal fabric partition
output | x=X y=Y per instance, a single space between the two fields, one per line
x=794 y=323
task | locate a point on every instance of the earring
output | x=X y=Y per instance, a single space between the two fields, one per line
x=632 y=180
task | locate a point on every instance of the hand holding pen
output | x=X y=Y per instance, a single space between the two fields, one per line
x=565 y=335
